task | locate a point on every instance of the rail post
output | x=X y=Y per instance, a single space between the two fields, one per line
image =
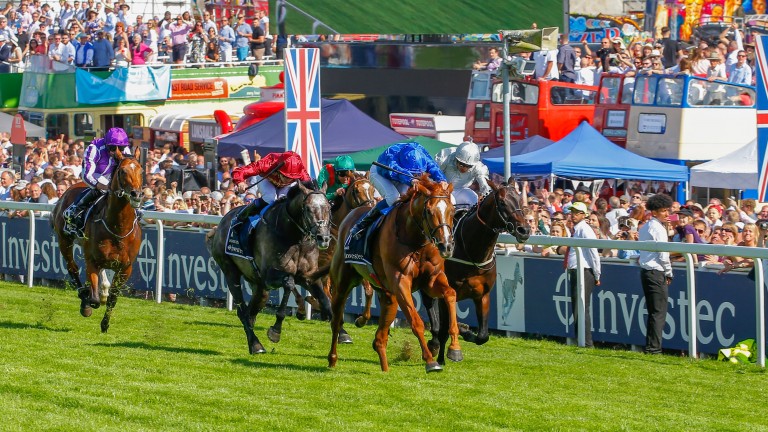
x=693 y=321
x=31 y=249
x=159 y=262
x=760 y=306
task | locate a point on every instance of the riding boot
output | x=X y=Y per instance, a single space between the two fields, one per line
x=362 y=225
x=251 y=209
x=74 y=211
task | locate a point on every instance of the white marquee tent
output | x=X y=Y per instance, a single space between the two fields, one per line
x=736 y=170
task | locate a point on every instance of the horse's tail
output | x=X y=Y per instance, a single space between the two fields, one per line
x=209 y=238
x=320 y=272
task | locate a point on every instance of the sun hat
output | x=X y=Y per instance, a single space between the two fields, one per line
x=21 y=185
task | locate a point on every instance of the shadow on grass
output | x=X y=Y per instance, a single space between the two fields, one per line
x=24 y=326
x=262 y=365
x=142 y=345
x=213 y=324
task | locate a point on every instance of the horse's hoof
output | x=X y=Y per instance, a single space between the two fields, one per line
x=455 y=355
x=104 y=327
x=434 y=367
x=273 y=335
x=258 y=349
x=344 y=338
x=103 y=299
x=301 y=315
x=360 y=322
x=95 y=303
x=86 y=311
x=434 y=347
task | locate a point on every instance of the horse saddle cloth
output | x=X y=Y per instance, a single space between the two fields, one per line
x=358 y=250
x=240 y=233
x=77 y=227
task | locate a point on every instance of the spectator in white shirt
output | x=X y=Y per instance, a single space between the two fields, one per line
x=656 y=271
x=592 y=268
x=546 y=65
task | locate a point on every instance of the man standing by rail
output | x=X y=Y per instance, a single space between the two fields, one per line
x=655 y=272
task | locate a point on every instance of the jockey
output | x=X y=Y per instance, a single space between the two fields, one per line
x=410 y=160
x=98 y=164
x=278 y=181
x=337 y=175
x=462 y=168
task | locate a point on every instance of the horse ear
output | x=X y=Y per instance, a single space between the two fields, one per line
x=303 y=188
x=368 y=175
x=494 y=186
x=324 y=188
x=118 y=155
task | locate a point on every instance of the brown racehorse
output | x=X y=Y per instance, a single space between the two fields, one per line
x=112 y=235
x=360 y=192
x=408 y=253
x=471 y=270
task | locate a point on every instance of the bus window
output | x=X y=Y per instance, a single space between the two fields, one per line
x=125 y=121
x=83 y=123
x=645 y=90
x=570 y=96
x=33 y=117
x=56 y=125
x=609 y=93
x=627 y=90
x=478 y=87
x=483 y=112
x=520 y=93
x=670 y=92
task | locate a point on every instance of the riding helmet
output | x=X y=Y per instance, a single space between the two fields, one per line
x=117 y=137
x=468 y=153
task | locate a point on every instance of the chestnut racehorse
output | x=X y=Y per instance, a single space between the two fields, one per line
x=408 y=253
x=112 y=236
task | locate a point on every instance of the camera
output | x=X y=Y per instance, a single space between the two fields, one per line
x=762 y=224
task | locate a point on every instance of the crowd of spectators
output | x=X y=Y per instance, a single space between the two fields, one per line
x=619 y=218
x=100 y=35
x=52 y=166
x=726 y=58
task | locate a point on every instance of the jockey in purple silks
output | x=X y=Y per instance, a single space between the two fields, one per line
x=98 y=164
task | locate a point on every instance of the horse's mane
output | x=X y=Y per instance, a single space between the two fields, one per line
x=425 y=181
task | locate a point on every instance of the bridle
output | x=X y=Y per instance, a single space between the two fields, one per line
x=357 y=201
x=306 y=219
x=429 y=232
x=120 y=191
x=508 y=225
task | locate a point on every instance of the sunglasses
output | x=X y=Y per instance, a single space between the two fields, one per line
x=700 y=231
x=345 y=173
x=530 y=220
x=558 y=219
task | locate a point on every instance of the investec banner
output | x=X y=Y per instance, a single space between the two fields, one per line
x=531 y=295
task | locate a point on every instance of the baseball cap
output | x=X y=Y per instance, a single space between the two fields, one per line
x=533 y=200
x=579 y=207
x=625 y=198
x=568 y=192
x=685 y=212
x=21 y=184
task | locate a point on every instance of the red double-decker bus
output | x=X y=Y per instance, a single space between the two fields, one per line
x=551 y=109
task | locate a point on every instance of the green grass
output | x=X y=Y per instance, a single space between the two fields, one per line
x=174 y=367
x=420 y=16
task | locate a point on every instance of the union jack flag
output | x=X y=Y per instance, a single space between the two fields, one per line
x=302 y=106
x=761 y=79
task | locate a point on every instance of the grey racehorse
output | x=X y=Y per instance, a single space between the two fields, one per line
x=286 y=245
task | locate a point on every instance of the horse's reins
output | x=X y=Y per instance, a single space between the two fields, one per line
x=357 y=200
x=424 y=217
x=314 y=227
x=120 y=193
x=464 y=245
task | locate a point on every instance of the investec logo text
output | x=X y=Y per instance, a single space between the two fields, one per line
x=620 y=310
x=15 y=251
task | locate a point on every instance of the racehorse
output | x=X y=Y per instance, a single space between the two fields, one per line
x=112 y=235
x=360 y=192
x=286 y=245
x=471 y=270
x=408 y=253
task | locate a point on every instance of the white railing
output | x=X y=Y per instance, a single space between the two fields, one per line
x=686 y=249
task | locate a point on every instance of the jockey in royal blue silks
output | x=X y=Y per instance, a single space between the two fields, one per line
x=410 y=160
x=98 y=164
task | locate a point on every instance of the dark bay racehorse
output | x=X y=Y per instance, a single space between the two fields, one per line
x=112 y=236
x=408 y=254
x=360 y=192
x=286 y=245
x=471 y=270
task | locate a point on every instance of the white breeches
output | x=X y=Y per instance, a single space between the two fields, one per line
x=464 y=197
x=390 y=190
x=269 y=192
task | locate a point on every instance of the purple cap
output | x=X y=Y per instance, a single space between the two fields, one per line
x=117 y=137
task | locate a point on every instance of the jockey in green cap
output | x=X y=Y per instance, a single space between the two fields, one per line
x=337 y=176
